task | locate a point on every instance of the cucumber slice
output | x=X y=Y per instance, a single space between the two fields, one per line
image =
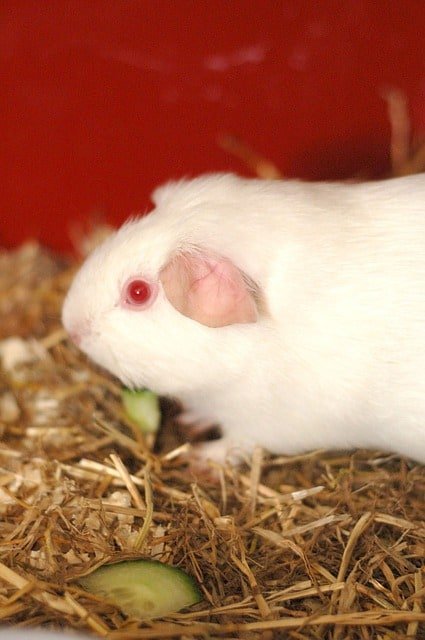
x=143 y=588
x=142 y=406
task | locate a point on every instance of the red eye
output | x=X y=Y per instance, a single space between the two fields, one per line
x=138 y=292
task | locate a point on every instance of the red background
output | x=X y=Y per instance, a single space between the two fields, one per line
x=102 y=100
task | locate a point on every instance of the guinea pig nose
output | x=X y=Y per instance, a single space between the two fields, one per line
x=76 y=337
x=78 y=332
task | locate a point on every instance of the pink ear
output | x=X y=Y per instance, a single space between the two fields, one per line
x=210 y=290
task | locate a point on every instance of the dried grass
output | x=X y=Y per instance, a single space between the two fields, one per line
x=324 y=545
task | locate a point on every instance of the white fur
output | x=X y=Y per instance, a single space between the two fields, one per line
x=338 y=358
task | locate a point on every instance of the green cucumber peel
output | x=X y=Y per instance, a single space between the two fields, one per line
x=142 y=407
x=143 y=588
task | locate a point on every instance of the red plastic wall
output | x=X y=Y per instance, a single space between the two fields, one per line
x=101 y=101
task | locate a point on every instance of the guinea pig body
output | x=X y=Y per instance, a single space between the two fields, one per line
x=291 y=313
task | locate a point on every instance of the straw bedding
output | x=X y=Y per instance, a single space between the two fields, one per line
x=326 y=545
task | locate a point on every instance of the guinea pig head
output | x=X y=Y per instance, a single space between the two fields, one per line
x=155 y=314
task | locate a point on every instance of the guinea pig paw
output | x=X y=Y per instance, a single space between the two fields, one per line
x=205 y=460
x=218 y=451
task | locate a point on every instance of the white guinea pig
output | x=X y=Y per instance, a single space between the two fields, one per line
x=291 y=313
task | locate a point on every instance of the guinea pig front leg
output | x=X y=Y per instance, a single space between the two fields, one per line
x=193 y=425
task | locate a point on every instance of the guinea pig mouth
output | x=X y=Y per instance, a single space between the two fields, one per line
x=101 y=355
